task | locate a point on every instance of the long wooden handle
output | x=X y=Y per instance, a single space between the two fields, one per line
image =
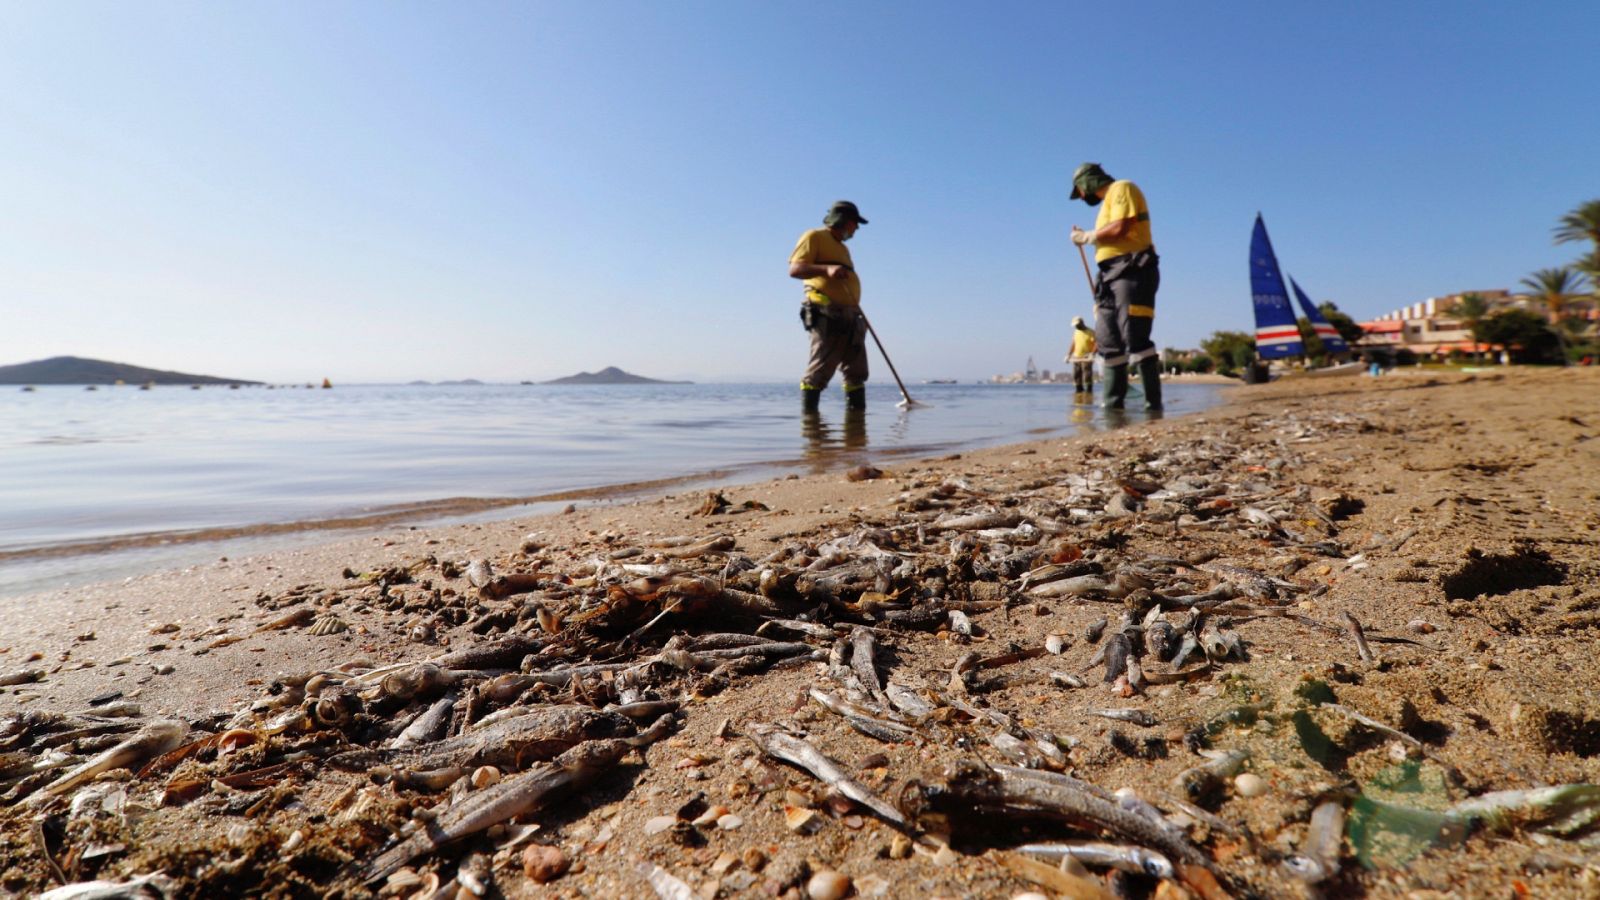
x=1086 y=276
x=872 y=331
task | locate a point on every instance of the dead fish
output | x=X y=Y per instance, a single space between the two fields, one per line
x=1129 y=858
x=1094 y=631
x=862 y=719
x=1063 y=679
x=973 y=521
x=505 y=800
x=1318 y=859
x=1069 y=587
x=1186 y=648
x=1008 y=789
x=428 y=725
x=541 y=734
x=111 y=890
x=1204 y=782
x=799 y=752
x=1362 y=649
x=1118 y=653
x=150 y=741
x=1133 y=716
x=908 y=701
x=1160 y=639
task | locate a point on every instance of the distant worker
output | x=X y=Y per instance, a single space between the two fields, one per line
x=1082 y=357
x=831 y=310
x=1125 y=293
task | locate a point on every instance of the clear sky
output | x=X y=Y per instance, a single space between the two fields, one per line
x=392 y=191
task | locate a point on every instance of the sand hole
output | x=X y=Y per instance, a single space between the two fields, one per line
x=1525 y=567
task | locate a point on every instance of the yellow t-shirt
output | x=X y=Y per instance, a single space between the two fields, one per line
x=819 y=247
x=1123 y=200
x=1082 y=344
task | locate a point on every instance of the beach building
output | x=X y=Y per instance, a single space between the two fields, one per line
x=1428 y=328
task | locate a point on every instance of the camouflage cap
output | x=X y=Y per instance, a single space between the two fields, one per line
x=1087 y=179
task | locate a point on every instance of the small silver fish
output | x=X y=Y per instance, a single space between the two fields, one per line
x=1129 y=858
x=1318 y=859
x=1133 y=716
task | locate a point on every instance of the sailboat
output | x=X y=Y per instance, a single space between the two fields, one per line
x=1277 y=334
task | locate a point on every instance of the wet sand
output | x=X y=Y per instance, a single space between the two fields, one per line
x=1469 y=516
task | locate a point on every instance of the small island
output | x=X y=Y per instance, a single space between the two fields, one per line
x=78 y=370
x=610 y=375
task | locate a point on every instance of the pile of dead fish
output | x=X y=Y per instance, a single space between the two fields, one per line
x=564 y=669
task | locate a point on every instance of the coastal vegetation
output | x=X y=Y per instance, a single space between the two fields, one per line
x=1560 y=335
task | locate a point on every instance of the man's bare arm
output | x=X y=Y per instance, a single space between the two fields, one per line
x=817 y=270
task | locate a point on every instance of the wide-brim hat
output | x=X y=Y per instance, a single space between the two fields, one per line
x=1087 y=178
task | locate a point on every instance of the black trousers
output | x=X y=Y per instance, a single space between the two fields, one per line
x=1125 y=307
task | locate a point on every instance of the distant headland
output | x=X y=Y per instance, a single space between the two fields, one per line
x=610 y=375
x=77 y=370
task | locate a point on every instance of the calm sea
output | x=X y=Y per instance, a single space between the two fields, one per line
x=101 y=484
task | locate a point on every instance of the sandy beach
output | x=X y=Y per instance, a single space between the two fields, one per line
x=1455 y=517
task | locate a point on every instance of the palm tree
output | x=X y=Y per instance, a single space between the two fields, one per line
x=1554 y=287
x=1471 y=309
x=1583 y=224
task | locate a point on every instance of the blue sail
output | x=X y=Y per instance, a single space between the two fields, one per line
x=1331 y=340
x=1277 y=335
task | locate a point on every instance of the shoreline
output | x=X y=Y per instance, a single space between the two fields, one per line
x=1430 y=476
x=29 y=567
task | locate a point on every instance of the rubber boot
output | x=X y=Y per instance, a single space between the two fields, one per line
x=1150 y=377
x=855 y=398
x=810 y=399
x=1116 y=387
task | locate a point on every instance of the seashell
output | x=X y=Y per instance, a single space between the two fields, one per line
x=332 y=711
x=421 y=632
x=293 y=843
x=548 y=620
x=484 y=776
x=403 y=879
x=827 y=885
x=329 y=624
x=291 y=720
x=408 y=682
x=239 y=833
x=427 y=887
x=316 y=683
x=236 y=739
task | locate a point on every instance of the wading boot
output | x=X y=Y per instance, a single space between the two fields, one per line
x=1116 y=387
x=810 y=399
x=856 y=397
x=1150 y=377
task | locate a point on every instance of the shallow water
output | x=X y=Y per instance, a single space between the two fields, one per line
x=96 y=484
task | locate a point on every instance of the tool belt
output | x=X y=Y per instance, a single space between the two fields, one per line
x=1128 y=265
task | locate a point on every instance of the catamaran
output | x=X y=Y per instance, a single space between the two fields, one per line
x=1277 y=334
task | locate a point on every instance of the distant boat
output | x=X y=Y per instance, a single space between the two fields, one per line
x=939 y=381
x=326 y=383
x=27 y=389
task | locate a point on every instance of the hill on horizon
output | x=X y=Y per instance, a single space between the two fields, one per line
x=610 y=375
x=78 y=370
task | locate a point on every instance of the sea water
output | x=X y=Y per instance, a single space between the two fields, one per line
x=101 y=483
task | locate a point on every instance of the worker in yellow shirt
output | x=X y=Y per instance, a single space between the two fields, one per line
x=831 y=311
x=1082 y=357
x=1125 y=293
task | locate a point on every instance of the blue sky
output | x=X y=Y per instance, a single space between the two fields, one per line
x=509 y=191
